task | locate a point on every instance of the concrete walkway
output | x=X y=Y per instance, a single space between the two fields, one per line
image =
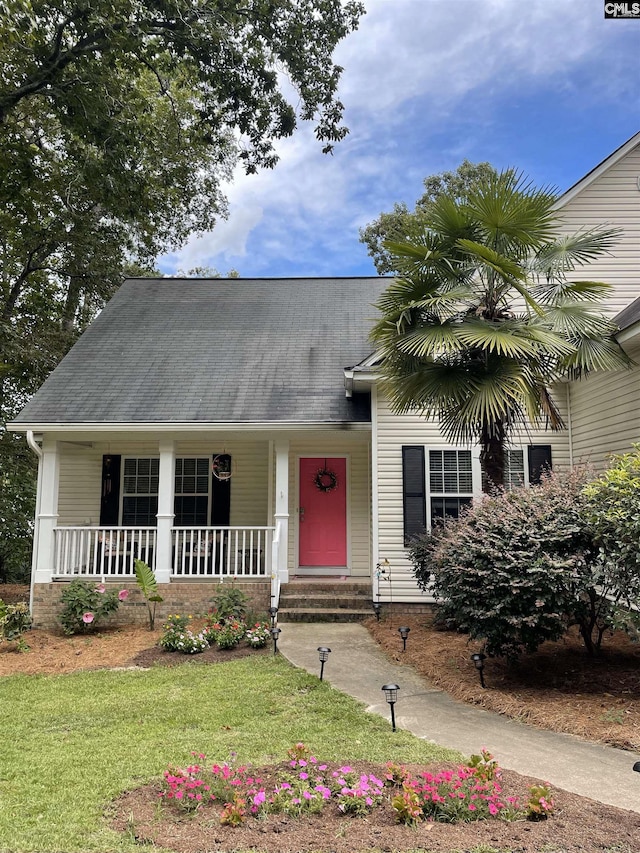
x=357 y=667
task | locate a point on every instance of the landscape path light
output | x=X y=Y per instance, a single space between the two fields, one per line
x=404 y=633
x=324 y=653
x=273 y=612
x=478 y=658
x=376 y=609
x=275 y=633
x=391 y=695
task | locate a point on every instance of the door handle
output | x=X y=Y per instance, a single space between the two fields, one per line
x=301 y=513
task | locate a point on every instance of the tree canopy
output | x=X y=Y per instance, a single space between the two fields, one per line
x=486 y=315
x=402 y=223
x=118 y=123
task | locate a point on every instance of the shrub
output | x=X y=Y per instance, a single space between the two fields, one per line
x=516 y=568
x=15 y=619
x=612 y=504
x=85 y=603
x=229 y=603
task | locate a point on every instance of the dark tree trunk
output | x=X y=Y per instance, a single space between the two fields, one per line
x=492 y=441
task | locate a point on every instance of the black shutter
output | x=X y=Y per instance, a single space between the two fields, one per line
x=220 y=501
x=539 y=462
x=110 y=494
x=413 y=492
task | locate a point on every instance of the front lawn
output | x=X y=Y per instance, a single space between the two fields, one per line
x=73 y=743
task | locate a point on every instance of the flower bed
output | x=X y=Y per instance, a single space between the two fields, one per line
x=308 y=786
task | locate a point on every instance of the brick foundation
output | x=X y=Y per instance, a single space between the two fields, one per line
x=179 y=597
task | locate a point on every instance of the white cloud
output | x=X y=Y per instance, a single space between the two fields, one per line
x=425 y=82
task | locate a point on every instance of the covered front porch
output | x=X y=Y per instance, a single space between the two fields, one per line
x=106 y=500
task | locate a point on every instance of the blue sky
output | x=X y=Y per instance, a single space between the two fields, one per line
x=547 y=86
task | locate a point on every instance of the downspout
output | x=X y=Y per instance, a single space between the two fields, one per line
x=33 y=444
x=569 y=426
x=375 y=537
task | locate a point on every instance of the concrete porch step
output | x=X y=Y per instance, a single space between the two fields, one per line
x=320 y=614
x=326 y=600
x=340 y=600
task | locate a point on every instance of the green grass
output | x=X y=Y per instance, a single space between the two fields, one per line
x=70 y=744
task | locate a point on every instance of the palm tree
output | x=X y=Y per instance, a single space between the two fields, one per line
x=486 y=316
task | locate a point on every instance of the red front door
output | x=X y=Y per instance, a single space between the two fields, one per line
x=323 y=512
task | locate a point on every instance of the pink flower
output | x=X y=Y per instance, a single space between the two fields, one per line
x=123 y=595
x=101 y=587
x=87 y=618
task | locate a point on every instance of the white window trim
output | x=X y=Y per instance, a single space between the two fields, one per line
x=182 y=494
x=476 y=473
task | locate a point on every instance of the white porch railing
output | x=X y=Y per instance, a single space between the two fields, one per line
x=102 y=551
x=221 y=552
x=215 y=552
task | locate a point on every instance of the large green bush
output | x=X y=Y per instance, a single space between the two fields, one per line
x=612 y=508
x=517 y=568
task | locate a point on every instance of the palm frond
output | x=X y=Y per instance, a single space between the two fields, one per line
x=571 y=318
x=511 y=212
x=432 y=340
x=595 y=353
x=500 y=338
x=565 y=253
x=556 y=290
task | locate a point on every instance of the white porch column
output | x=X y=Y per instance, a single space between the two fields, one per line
x=47 y=514
x=281 y=514
x=165 y=511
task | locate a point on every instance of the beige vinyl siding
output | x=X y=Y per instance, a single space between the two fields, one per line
x=612 y=199
x=394 y=431
x=358 y=496
x=81 y=477
x=249 y=481
x=605 y=414
x=79 y=486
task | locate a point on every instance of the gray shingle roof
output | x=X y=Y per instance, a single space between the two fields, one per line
x=629 y=315
x=216 y=350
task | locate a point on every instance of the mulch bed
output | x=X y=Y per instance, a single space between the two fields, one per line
x=157 y=656
x=579 y=825
x=559 y=687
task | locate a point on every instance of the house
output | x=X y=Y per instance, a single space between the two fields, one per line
x=234 y=430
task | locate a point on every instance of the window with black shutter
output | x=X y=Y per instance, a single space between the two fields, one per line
x=539 y=461
x=413 y=492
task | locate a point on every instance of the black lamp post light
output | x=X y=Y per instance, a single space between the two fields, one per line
x=324 y=653
x=273 y=613
x=391 y=695
x=478 y=659
x=404 y=633
x=275 y=633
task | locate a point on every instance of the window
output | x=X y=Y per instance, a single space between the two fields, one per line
x=514 y=469
x=140 y=492
x=453 y=477
x=191 y=502
x=450 y=482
